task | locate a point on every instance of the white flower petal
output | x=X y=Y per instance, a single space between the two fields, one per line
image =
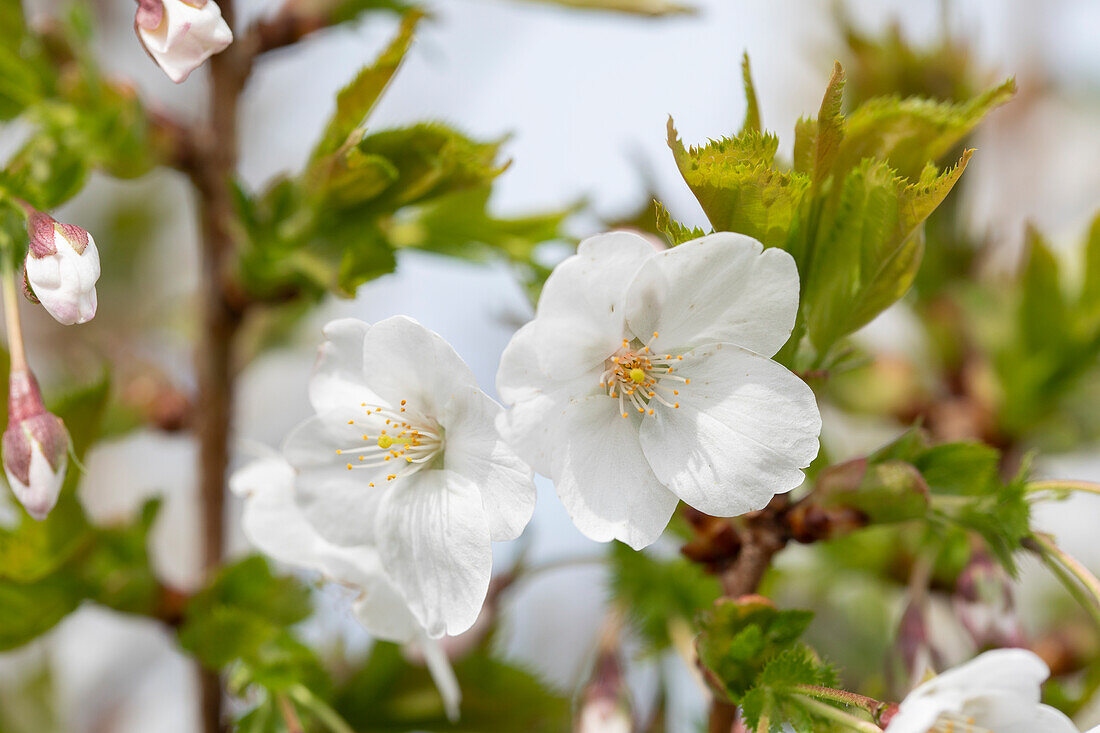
x=536 y=399
x=999 y=689
x=603 y=479
x=338 y=378
x=744 y=429
x=434 y=539
x=722 y=287
x=1045 y=719
x=340 y=504
x=405 y=361
x=475 y=450
x=273 y=522
x=579 y=318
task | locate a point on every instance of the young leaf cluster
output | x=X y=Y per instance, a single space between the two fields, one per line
x=80 y=120
x=752 y=656
x=850 y=209
x=364 y=194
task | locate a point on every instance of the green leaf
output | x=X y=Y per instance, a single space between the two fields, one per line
x=676 y=232
x=658 y=593
x=738 y=638
x=829 y=130
x=868 y=255
x=738 y=186
x=1090 y=290
x=30 y=609
x=908 y=133
x=1043 y=307
x=356 y=100
x=752 y=109
x=430 y=160
x=389 y=694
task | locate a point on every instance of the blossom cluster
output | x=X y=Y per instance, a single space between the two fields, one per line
x=639 y=383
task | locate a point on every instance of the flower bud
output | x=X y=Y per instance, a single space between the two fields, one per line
x=181 y=35
x=61 y=268
x=35 y=447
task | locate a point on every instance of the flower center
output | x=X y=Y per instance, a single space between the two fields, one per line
x=954 y=723
x=391 y=438
x=638 y=378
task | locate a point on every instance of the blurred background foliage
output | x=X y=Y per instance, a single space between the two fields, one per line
x=863 y=203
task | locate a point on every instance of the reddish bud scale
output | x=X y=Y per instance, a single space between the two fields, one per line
x=42 y=230
x=28 y=420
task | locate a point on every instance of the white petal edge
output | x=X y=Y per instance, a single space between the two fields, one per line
x=406 y=361
x=434 y=540
x=722 y=287
x=745 y=428
x=603 y=479
x=476 y=451
x=579 y=319
x=338 y=379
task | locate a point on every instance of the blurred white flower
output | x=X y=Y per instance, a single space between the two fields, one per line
x=275 y=524
x=35 y=447
x=645 y=378
x=404 y=456
x=996 y=692
x=61 y=268
x=181 y=35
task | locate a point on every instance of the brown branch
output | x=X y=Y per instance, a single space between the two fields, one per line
x=214 y=166
x=288 y=27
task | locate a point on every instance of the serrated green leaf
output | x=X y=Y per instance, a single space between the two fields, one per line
x=738 y=186
x=910 y=133
x=676 y=232
x=829 y=131
x=739 y=637
x=356 y=100
x=752 y=109
x=867 y=258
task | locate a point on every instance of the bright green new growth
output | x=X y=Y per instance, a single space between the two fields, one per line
x=849 y=210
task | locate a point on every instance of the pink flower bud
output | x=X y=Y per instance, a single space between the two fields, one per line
x=181 y=35
x=35 y=447
x=62 y=268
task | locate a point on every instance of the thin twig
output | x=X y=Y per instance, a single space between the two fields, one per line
x=873 y=707
x=1081 y=584
x=836 y=714
x=290 y=715
x=1059 y=486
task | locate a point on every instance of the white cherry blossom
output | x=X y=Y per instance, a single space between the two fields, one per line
x=404 y=456
x=274 y=522
x=996 y=692
x=645 y=378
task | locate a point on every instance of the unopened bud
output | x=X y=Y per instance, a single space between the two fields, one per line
x=61 y=268
x=35 y=447
x=181 y=35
